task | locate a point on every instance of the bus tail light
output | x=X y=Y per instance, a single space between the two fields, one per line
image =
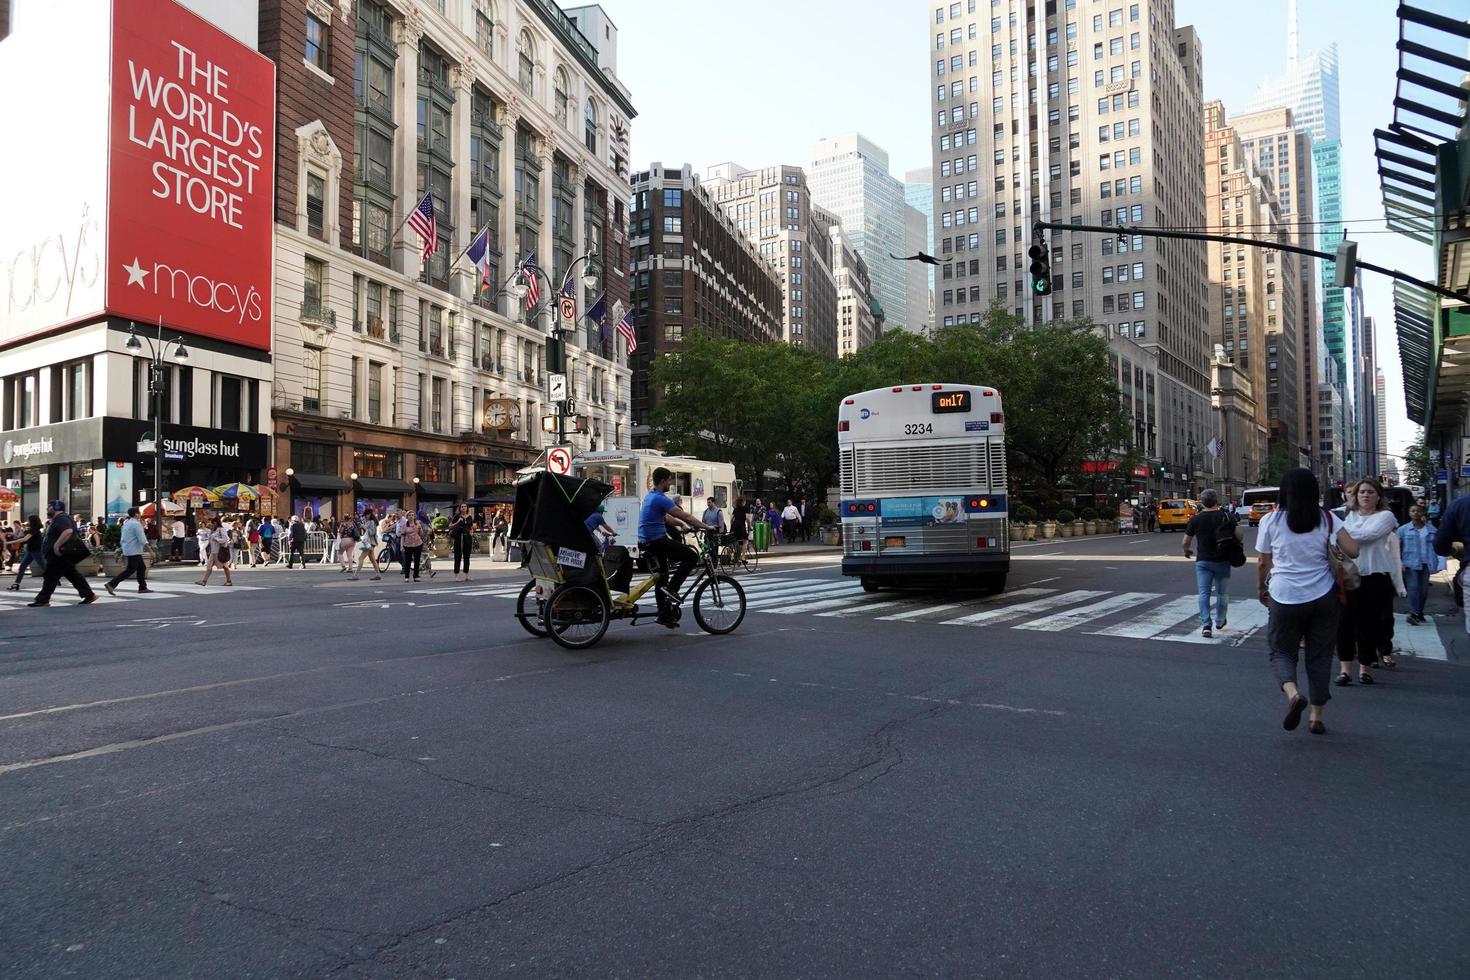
x=997 y=418
x=842 y=425
x=867 y=546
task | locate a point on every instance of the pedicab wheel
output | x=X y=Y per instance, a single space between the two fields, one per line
x=576 y=616
x=530 y=610
x=719 y=604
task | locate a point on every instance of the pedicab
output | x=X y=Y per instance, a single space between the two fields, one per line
x=577 y=587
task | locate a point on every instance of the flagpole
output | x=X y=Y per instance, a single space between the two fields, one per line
x=470 y=245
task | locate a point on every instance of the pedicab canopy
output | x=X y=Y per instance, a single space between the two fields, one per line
x=551 y=509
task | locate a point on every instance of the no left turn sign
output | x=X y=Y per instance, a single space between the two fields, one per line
x=559 y=460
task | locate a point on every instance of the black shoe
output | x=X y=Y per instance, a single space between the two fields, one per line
x=33 y=605
x=89 y=600
x=144 y=591
x=1343 y=680
x=1316 y=728
x=1365 y=678
x=1294 y=713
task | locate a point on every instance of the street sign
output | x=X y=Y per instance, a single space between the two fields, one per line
x=557 y=387
x=559 y=460
x=568 y=309
x=548 y=423
x=571 y=407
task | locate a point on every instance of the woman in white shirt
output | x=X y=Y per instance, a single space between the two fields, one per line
x=217 y=536
x=1364 y=627
x=1298 y=584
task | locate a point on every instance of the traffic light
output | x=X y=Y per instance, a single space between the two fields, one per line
x=1345 y=271
x=1163 y=469
x=1040 y=267
x=1350 y=459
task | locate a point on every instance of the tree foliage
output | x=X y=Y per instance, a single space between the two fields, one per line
x=774 y=407
x=1419 y=464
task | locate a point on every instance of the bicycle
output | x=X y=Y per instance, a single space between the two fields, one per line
x=729 y=558
x=575 y=610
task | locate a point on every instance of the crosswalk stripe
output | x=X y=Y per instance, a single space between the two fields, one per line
x=922 y=611
x=1418 y=641
x=1017 y=610
x=803 y=595
x=1245 y=618
x=775 y=585
x=1071 y=618
x=867 y=608
x=1156 y=620
x=831 y=602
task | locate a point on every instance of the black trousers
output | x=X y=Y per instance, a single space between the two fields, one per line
x=411 y=556
x=461 y=553
x=296 y=551
x=663 y=552
x=56 y=569
x=1364 y=626
x=136 y=566
x=1316 y=622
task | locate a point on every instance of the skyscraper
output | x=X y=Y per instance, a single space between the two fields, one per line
x=1093 y=116
x=920 y=278
x=918 y=193
x=849 y=177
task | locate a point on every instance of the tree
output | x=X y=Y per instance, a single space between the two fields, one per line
x=1419 y=464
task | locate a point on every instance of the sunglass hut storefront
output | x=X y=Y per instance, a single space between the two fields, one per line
x=95 y=465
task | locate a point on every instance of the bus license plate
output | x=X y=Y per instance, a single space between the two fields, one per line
x=895 y=542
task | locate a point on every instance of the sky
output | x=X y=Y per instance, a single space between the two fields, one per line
x=760 y=81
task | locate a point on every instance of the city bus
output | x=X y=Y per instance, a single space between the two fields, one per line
x=923 y=486
x=630 y=473
x=1257 y=502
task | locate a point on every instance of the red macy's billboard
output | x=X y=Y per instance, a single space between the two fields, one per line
x=191 y=175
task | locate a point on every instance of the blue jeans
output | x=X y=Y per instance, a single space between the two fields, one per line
x=1217 y=573
x=1416 y=581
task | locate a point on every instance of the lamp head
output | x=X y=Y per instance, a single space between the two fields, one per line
x=134 y=345
x=181 y=354
x=518 y=289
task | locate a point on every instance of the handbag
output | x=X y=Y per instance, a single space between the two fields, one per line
x=1336 y=560
x=75 y=550
x=1227 y=545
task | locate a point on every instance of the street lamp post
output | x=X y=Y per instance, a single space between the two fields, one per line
x=155 y=388
x=555 y=354
x=1189 y=468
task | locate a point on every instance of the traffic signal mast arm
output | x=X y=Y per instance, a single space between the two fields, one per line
x=1194 y=236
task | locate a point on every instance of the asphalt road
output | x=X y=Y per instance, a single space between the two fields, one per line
x=314 y=778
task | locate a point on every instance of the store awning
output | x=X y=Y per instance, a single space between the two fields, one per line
x=320 y=482
x=441 y=489
x=370 y=484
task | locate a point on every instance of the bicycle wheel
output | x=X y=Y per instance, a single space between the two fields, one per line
x=576 y=616
x=719 y=604
x=530 y=610
x=750 y=561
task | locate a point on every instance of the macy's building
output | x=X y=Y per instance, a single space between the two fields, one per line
x=150 y=210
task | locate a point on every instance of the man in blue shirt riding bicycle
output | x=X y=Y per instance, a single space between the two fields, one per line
x=657 y=512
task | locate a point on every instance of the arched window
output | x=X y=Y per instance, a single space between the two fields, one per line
x=590 y=133
x=563 y=98
x=526 y=63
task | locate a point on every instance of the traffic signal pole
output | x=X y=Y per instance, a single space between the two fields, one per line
x=1037 y=227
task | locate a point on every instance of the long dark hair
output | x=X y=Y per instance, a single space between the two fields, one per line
x=1299 y=499
x=34 y=524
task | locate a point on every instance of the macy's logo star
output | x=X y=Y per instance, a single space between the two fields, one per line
x=136 y=273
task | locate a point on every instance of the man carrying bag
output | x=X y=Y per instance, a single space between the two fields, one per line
x=64 y=548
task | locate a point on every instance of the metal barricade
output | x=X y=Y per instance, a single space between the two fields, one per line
x=316 y=545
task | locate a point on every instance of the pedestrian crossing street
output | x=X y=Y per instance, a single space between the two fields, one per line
x=65 y=595
x=1033 y=609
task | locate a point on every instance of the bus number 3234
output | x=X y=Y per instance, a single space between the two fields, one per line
x=918 y=429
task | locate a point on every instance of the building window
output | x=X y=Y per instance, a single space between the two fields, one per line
x=375 y=393
x=317 y=33
x=589 y=134
x=484 y=34
x=315 y=281
x=316 y=193
x=525 y=66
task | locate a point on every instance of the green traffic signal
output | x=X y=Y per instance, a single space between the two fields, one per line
x=1040 y=268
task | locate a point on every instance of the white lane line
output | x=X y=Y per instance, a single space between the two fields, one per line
x=869 y=607
x=1016 y=611
x=1156 y=620
x=830 y=603
x=1085 y=614
x=787 y=584
x=1040 y=581
x=1419 y=641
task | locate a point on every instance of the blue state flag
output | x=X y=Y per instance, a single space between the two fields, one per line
x=597 y=313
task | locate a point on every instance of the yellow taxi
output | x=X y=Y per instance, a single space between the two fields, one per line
x=1258 y=510
x=1174 y=513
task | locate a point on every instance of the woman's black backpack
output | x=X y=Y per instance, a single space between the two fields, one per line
x=1227 y=546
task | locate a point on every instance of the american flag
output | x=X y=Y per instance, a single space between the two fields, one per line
x=625 y=329
x=421 y=220
x=533 y=288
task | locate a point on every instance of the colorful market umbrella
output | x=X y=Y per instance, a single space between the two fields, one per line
x=235 y=491
x=8 y=497
x=188 y=493
x=169 y=507
x=262 y=490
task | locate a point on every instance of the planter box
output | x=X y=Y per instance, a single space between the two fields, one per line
x=1078 y=529
x=831 y=535
x=1018 y=533
x=1030 y=532
x=441 y=547
x=1064 y=530
x=1048 y=530
x=112 y=564
x=1091 y=527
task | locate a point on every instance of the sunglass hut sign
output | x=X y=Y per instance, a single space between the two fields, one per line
x=189 y=448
